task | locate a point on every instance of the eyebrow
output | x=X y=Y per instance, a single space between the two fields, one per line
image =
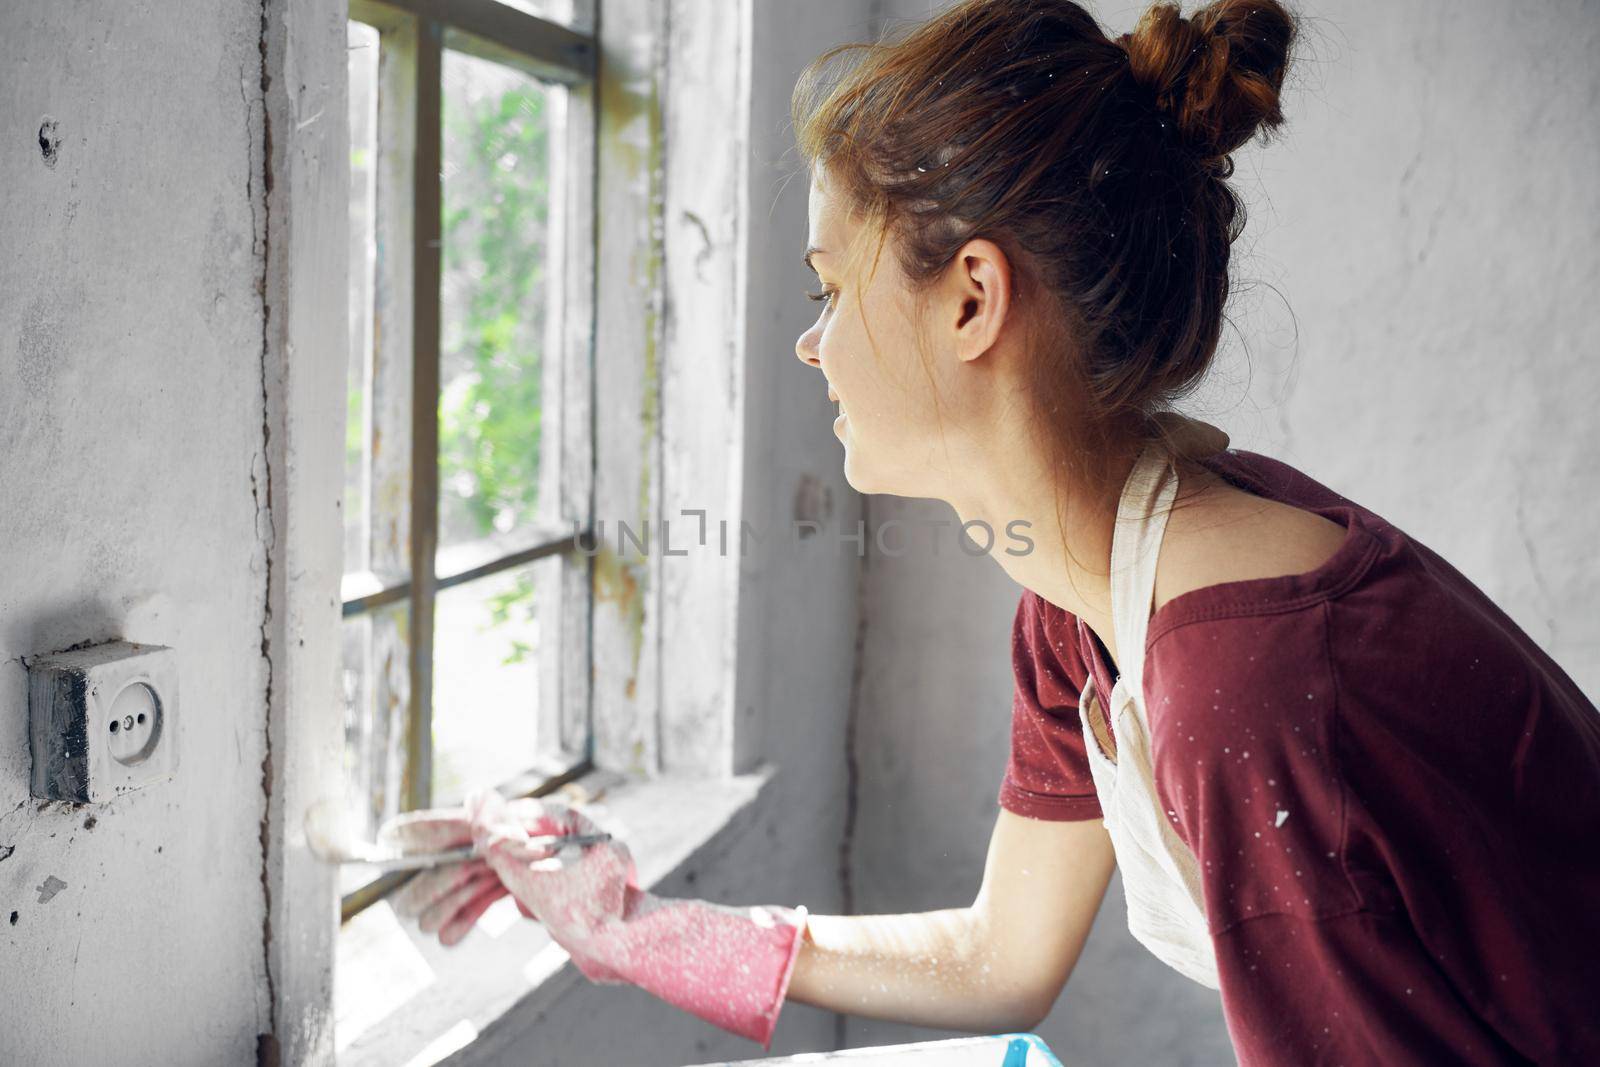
x=814 y=251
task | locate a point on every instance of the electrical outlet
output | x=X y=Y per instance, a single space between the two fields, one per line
x=102 y=720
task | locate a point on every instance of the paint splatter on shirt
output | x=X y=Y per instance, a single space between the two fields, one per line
x=1392 y=792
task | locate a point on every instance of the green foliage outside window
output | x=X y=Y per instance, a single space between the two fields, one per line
x=495 y=227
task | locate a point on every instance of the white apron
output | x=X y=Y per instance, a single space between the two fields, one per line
x=1160 y=877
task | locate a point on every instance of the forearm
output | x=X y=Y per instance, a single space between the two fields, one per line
x=935 y=968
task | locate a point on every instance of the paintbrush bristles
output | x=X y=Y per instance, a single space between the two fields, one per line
x=330 y=834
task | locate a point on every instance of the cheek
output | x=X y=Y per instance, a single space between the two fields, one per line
x=844 y=374
x=831 y=349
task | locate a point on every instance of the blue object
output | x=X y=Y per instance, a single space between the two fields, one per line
x=995 y=1050
x=1018 y=1047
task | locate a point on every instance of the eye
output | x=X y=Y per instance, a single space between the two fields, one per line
x=825 y=295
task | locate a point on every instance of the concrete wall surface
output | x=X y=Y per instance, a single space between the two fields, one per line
x=131 y=467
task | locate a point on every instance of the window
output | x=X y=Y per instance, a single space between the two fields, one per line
x=469 y=452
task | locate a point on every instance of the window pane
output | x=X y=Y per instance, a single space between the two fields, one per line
x=495 y=310
x=362 y=49
x=486 y=678
x=574 y=14
x=376 y=685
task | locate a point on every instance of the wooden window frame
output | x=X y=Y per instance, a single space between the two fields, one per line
x=414 y=35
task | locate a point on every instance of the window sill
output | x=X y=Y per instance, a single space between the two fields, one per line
x=400 y=997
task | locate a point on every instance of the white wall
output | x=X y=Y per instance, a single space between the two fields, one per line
x=1430 y=219
x=171 y=391
x=131 y=464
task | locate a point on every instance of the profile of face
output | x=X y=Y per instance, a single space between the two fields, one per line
x=911 y=423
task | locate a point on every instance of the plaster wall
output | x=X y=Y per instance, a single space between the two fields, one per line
x=132 y=475
x=1411 y=326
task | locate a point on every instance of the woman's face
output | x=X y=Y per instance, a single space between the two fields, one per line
x=902 y=421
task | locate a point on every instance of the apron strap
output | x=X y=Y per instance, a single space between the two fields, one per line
x=1135 y=544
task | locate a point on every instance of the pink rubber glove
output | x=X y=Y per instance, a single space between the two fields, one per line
x=727 y=965
x=449 y=900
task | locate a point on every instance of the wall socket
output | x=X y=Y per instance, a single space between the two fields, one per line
x=102 y=720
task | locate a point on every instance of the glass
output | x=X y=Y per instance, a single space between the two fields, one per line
x=375 y=682
x=573 y=14
x=361 y=43
x=486 y=679
x=495 y=306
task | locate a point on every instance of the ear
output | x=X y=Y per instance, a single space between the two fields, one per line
x=979 y=295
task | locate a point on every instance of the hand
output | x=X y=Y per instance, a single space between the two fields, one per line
x=579 y=893
x=728 y=965
x=450 y=899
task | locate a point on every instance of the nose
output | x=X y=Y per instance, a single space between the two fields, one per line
x=805 y=348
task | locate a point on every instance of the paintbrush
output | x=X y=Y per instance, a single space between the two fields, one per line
x=331 y=839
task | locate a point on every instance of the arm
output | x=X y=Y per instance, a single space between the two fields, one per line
x=994 y=966
x=997 y=964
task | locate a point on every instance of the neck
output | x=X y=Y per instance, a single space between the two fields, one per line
x=1017 y=500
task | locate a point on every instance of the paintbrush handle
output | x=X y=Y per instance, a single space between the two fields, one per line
x=569 y=839
x=416 y=861
x=421 y=860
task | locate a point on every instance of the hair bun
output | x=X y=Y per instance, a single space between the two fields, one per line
x=1218 y=73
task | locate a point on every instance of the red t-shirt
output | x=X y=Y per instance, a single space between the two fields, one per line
x=1393 y=795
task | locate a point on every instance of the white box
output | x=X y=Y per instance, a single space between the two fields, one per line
x=102 y=720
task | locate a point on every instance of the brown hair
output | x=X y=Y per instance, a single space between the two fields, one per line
x=1098 y=166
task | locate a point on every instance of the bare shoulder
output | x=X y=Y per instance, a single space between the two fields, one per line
x=1224 y=534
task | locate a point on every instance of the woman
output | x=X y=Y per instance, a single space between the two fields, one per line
x=1341 y=785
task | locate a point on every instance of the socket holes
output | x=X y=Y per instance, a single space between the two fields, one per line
x=135 y=723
